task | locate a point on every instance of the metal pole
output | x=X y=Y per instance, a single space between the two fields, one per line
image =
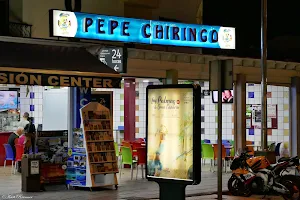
x=264 y=136
x=219 y=132
x=71 y=121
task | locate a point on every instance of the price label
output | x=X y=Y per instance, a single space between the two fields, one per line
x=34 y=167
x=70 y=152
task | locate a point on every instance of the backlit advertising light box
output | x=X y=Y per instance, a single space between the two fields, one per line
x=130 y=30
x=173 y=133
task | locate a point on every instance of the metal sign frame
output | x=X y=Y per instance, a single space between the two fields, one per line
x=130 y=30
x=118 y=67
x=196 y=133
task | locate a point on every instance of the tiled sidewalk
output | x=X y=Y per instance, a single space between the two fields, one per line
x=211 y=197
x=128 y=189
x=141 y=189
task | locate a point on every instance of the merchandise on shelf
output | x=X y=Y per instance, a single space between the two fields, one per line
x=53 y=147
x=76 y=167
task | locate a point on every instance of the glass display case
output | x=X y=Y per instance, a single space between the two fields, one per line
x=53 y=148
x=9 y=120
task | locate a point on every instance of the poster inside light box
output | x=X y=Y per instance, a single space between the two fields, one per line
x=170 y=133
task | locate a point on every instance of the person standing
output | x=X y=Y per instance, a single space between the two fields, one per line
x=30 y=135
x=24 y=121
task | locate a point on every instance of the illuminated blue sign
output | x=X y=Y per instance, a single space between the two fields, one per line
x=110 y=28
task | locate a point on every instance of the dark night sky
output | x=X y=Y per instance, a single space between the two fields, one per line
x=244 y=15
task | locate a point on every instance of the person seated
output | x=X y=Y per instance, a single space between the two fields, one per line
x=22 y=139
x=13 y=136
x=284 y=150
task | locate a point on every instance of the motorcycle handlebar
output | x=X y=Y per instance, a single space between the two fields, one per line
x=245 y=154
x=295 y=158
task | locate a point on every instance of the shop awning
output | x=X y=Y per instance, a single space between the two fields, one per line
x=61 y=65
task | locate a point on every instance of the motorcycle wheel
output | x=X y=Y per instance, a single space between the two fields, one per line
x=294 y=191
x=293 y=178
x=238 y=188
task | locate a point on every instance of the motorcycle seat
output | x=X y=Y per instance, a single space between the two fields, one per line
x=283 y=159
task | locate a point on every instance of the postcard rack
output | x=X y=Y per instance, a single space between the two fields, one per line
x=102 y=163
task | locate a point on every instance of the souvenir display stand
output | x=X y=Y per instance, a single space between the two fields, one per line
x=102 y=163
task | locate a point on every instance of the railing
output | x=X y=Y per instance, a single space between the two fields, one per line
x=19 y=30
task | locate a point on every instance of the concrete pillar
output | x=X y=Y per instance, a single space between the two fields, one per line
x=295 y=116
x=129 y=109
x=172 y=76
x=240 y=112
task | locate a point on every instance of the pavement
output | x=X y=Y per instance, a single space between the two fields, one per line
x=140 y=189
x=210 y=197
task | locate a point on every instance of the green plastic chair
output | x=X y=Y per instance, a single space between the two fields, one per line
x=127 y=159
x=232 y=153
x=270 y=142
x=272 y=147
x=117 y=149
x=208 y=153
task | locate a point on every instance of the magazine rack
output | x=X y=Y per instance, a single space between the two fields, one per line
x=102 y=163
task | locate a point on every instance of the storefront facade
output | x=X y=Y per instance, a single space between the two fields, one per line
x=40 y=82
x=197 y=68
x=146 y=67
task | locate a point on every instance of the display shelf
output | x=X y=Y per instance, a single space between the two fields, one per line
x=54 y=137
x=52 y=133
x=99 y=143
x=100 y=162
x=101 y=151
x=106 y=173
x=99 y=119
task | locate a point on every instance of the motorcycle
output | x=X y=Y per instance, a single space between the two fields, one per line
x=242 y=176
x=282 y=166
x=260 y=165
x=256 y=175
x=283 y=163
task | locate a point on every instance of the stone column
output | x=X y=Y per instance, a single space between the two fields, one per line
x=129 y=109
x=240 y=112
x=295 y=116
x=172 y=76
